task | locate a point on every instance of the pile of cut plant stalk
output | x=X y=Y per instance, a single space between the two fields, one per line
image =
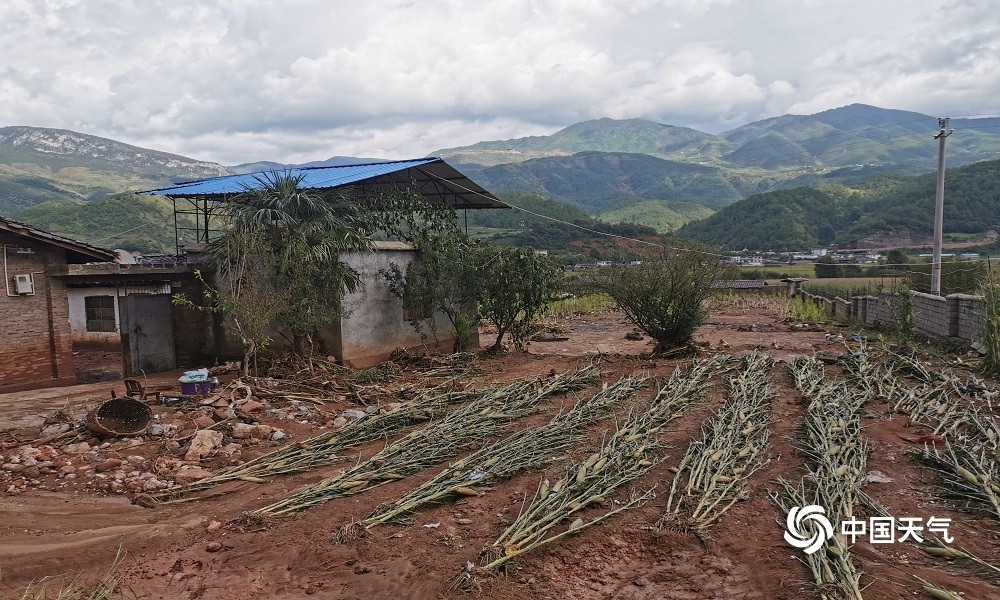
x=292 y=377
x=837 y=457
x=713 y=474
x=622 y=458
x=326 y=448
x=968 y=464
x=524 y=450
x=474 y=422
x=939 y=401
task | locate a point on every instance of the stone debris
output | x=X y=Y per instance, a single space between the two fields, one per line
x=187 y=440
x=203 y=444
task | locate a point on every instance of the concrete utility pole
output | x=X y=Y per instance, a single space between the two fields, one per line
x=939 y=207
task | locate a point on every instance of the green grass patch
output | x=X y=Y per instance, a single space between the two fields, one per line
x=580 y=305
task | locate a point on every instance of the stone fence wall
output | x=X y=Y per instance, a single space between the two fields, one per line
x=958 y=316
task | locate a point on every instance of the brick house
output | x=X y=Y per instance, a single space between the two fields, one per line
x=35 y=342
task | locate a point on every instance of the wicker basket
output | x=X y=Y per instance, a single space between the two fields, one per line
x=119 y=417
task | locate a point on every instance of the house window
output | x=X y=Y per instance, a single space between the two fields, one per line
x=100 y=313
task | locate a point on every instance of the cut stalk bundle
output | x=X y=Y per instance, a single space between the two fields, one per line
x=834 y=574
x=837 y=464
x=623 y=458
x=322 y=450
x=476 y=421
x=970 y=478
x=968 y=469
x=526 y=449
x=714 y=471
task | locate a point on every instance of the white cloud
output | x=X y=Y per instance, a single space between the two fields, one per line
x=242 y=80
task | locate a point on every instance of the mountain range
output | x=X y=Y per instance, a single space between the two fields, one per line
x=632 y=170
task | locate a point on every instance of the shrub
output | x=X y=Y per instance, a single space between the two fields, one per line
x=517 y=284
x=664 y=294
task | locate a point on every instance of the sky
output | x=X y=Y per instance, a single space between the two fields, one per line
x=234 y=81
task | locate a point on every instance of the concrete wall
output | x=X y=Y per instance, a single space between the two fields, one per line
x=35 y=345
x=957 y=316
x=930 y=314
x=373 y=326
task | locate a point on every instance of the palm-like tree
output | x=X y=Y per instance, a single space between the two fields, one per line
x=298 y=236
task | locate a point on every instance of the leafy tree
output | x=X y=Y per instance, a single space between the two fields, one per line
x=517 y=284
x=664 y=294
x=290 y=239
x=443 y=278
x=826 y=268
x=897 y=259
x=241 y=293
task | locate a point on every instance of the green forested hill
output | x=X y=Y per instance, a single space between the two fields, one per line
x=852 y=135
x=39 y=164
x=599 y=135
x=803 y=218
x=121 y=221
x=517 y=219
x=593 y=180
x=661 y=216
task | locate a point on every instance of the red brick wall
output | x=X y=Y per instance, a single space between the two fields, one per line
x=190 y=324
x=35 y=344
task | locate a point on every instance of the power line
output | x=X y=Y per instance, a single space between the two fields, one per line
x=119 y=233
x=575 y=225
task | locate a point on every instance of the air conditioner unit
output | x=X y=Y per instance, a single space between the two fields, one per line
x=24 y=284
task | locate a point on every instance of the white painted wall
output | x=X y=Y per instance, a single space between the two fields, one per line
x=78 y=315
x=78 y=312
x=374 y=325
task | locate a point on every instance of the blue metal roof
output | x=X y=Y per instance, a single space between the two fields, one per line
x=434 y=178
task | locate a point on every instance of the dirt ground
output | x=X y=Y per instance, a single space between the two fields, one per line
x=52 y=523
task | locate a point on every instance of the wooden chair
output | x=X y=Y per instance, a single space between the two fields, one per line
x=136 y=391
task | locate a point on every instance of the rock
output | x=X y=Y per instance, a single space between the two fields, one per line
x=232 y=450
x=278 y=435
x=213 y=547
x=203 y=444
x=263 y=432
x=634 y=336
x=204 y=421
x=55 y=429
x=877 y=477
x=154 y=485
x=78 y=448
x=213 y=526
x=29 y=462
x=251 y=406
x=242 y=431
x=109 y=465
x=155 y=430
x=67 y=470
x=339 y=423
x=31 y=472
x=352 y=413
x=186 y=476
x=12 y=467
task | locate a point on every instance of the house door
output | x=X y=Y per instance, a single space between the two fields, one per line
x=147 y=330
